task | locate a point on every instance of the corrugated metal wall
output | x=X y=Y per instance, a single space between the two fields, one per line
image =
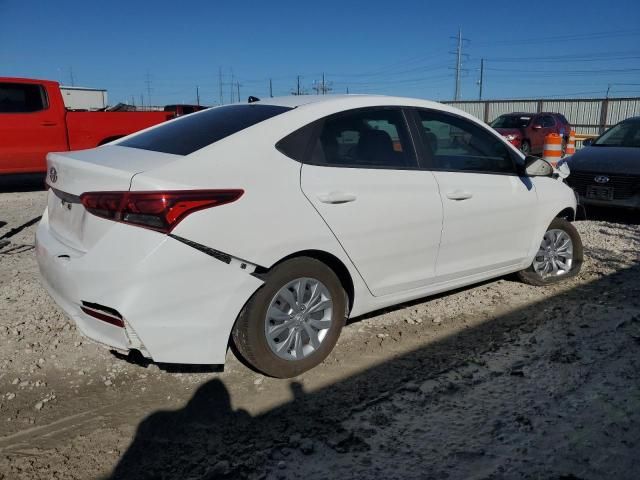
x=589 y=116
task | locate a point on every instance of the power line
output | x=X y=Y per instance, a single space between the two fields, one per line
x=554 y=38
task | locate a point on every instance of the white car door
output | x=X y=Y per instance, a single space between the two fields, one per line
x=489 y=210
x=363 y=179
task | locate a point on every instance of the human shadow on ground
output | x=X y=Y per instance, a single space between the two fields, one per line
x=510 y=438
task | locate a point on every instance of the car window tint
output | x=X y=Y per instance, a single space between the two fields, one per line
x=548 y=121
x=22 y=98
x=625 y=134
x=193 y=132
x=296 y=144
x=453 y=143
x=367 y=137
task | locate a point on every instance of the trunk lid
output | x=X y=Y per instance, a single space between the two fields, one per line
x=70 y=174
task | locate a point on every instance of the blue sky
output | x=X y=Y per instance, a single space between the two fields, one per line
x=535 y=48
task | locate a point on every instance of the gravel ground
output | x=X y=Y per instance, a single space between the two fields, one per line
x=501 y=380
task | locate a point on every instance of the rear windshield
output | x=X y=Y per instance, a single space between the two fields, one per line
x=193 y=132
x=511 y=121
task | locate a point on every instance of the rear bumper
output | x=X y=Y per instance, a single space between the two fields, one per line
x=179 y=303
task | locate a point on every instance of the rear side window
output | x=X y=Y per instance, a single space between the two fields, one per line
x=193 y=132
x=22 y=98
x=365 y=138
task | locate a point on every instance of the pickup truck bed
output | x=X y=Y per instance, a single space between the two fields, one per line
x=34 y=122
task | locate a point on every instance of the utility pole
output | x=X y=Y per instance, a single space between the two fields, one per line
x=238 y=85
x=198 y=95
x=608 y=89
x=298 y=90
x=324 y=89
x=133 y=101
x=220 y=82
x=481 y=77
x=270 y=88
x=458 y=64
x=142 y=101
x=231 y=86
x=73 y=83
x=148 y=82
x=347 y=90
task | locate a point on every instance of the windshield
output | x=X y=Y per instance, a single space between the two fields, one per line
x=511 y=121
x=625 y=134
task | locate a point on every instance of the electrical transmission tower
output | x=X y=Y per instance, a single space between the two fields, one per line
x=322 y=88
x=460 y=57
x=147 y=82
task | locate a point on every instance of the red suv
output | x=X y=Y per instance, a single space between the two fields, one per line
x=527 y=131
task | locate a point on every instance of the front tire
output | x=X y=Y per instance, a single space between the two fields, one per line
x=559 y=257
x=525 y=147
x=293 y=321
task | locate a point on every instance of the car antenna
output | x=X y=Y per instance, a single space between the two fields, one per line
x=252 y=99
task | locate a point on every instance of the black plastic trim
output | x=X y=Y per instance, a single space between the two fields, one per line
x=212 y=252
x=66 y=197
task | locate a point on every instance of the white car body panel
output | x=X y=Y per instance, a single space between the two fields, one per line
x=484 y=230
x=181 y=303
x=181 y=314
x=391 y=230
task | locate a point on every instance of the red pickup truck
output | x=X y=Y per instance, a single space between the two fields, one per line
x=34 y=121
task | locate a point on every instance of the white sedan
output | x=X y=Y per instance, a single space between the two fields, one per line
x=265 y=225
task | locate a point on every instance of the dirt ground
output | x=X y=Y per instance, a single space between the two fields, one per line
x=501 y=380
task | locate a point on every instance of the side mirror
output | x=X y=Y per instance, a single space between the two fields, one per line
x=587 y=142
x=537 y=167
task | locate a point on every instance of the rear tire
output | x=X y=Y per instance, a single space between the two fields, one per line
x=525 y=147
x=293 y=321
x=559 y=257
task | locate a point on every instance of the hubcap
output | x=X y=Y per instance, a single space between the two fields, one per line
x=298 y=318
x=555 y=256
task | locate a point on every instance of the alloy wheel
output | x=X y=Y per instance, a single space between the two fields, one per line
x=555 y=255
x=298 y=318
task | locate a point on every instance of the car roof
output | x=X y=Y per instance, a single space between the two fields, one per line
x=296 y=101
x=517 y=114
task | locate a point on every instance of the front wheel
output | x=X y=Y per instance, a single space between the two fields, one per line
x=294 y=320
x=525 y=147
x=559 y=257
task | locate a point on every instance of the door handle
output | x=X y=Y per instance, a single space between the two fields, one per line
x=48 y=124
x=459 y=195
x=336 y=197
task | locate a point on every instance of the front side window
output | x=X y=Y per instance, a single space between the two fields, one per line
x=365 y=138
x=455 y=144
x=193 y=132
x=22 y=98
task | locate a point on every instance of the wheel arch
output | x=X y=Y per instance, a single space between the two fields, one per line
x=333 y=262
x=568 y=214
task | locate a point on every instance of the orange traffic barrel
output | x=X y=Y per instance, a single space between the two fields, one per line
x=552 y=148
x=571 y=145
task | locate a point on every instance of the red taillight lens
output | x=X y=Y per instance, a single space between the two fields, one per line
x=160 y=211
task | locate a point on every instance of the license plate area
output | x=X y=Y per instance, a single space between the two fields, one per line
x=599 y=193
x=66 y=218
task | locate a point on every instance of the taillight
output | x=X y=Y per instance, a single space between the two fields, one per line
x=160 y=211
